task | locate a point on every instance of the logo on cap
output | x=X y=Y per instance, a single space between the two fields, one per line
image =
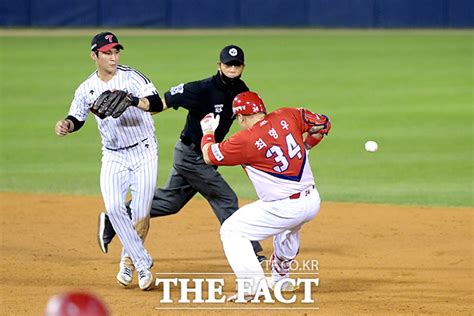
x=105 y=41
x=233 y=52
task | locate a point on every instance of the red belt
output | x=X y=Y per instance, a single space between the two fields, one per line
x=298 y=195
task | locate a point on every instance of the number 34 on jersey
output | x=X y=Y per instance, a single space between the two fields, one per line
x=273 y=145
x=280 y=154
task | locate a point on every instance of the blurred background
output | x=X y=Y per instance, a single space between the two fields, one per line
x=238 y=13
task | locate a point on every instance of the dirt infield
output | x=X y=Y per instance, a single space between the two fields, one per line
x=372 y=259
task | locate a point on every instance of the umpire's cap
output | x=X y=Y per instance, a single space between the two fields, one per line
x=105 y=41
x=232 y=53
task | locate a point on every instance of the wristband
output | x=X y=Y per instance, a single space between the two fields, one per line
x=156 y=105
x=311 y=141
x=134 y=101
x=207 y=139
x=77 y=124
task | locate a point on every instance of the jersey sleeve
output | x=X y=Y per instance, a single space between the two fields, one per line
x=140 y=85
x=230 y=152
x=79 y=106
x=307 y=119
x=188 y=96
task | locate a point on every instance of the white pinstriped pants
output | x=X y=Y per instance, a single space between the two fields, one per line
x=135 y=169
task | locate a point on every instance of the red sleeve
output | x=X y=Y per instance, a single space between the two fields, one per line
x=298 y=114
x=310 y=119
x=230 y=152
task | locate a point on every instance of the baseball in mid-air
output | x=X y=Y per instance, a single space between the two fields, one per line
x=371 y=146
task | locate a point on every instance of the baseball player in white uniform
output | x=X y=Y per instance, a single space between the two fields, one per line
x=129 y=151
x=273 y=152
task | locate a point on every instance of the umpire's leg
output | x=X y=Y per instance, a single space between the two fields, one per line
x=176 y=193
x=207 y=181
x=173 y=197
x=170 y=199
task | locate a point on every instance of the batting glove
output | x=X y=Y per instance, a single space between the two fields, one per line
x=209 y=123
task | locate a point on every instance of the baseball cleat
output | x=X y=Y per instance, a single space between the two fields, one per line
x=100 y=234
x=261 y=259
x=247 y=298
x=145 y=279
x=105 y=232
x=125 y=276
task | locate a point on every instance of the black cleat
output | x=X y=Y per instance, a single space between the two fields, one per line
x=105 y=233
x=260 y=258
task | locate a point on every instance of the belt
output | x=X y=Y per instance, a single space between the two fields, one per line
x=128 y=147
x=305 y=192
x=188 y=142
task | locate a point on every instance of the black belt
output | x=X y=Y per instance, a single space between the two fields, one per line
x=188 y=142
x=128 y=147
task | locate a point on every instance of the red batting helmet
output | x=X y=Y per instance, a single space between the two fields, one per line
x=75 y=304
x=248 y=103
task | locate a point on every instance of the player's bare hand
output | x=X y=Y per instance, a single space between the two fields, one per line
x=209 y=123
x=62 y=128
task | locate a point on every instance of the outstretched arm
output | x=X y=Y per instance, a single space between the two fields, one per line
x=115 y=103
x=68 y=125
x=152 y=103
x=230 y=152
x=205 y=150
x=62 y=127
x=317 y=125
x=312 y=140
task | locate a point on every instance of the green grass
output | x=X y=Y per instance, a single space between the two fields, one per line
x=411 y=91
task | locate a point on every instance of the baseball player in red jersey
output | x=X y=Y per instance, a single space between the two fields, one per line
x=273 y=150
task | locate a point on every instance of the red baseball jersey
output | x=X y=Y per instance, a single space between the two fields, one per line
x=272 y=153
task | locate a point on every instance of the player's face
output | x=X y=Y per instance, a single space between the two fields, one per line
x=107 y=61
x=231 y=70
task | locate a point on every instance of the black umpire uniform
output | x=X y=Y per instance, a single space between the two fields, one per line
x=190 y=174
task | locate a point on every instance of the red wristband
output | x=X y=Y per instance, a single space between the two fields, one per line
x=311 y=141
x=207 y=139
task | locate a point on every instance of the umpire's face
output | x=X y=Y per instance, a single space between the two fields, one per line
x=107 y=61
x=232 y=70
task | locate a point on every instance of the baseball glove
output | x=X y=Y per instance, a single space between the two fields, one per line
x=111 y=103
x=99 y=106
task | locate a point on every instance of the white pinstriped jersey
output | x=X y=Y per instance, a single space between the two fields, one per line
x=134 y=124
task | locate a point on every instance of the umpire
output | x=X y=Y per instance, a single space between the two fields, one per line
x=190 y=174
